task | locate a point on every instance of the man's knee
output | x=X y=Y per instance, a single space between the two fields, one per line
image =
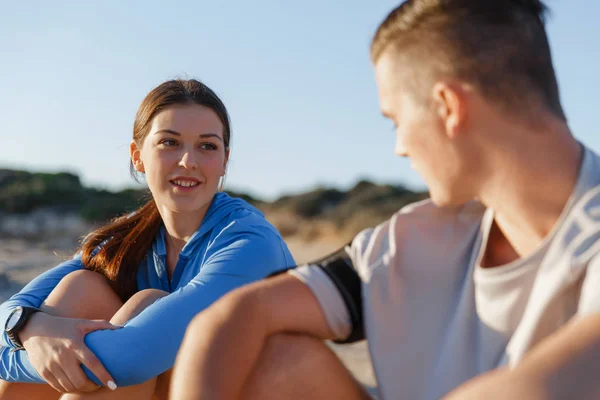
x=300 y=366
x=288 y=358
x=295 y=348
x=136 y=304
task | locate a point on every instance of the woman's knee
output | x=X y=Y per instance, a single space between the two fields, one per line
x=145 y=297
x=83 y=294
x=19 y=391
x=136 y=304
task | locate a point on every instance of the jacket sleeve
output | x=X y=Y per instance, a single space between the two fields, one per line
x=148 y=344
x=14 y=365
x=35 y=292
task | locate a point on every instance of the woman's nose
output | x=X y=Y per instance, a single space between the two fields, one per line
x=188 y=160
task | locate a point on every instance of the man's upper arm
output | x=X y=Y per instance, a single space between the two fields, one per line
x=330 y=289
x=289 y=306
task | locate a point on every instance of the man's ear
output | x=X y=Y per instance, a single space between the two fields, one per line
x=450 y=101
x=136 y=157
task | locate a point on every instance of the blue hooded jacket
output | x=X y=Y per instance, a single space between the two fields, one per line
x=234 y=246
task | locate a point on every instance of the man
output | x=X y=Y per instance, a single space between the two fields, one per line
x=486 y=291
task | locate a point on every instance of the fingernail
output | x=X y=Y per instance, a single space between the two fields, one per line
x=111 y=385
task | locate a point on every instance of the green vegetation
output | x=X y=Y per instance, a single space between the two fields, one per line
x=23 y=192
x=366 y=204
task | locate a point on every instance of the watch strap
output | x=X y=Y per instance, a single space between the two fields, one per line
x=13 y=333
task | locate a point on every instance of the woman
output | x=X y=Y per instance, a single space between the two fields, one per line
x=152 y=270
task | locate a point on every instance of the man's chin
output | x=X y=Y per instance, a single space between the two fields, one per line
x=445 y=200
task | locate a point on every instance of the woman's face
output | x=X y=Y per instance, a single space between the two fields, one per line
x=183 y=157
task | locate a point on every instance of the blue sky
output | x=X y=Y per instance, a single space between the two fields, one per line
x=295 y=76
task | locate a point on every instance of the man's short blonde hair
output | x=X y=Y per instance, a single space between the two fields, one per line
x=498 y=46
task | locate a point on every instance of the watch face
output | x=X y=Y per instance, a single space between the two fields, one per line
x=14 y=318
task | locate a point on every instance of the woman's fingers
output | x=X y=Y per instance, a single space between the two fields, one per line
x=89 y=359
x=51 y=380
x=78 y=377
x=64 y=383
x=59 y=353
x=92 y=362
x=88 y=326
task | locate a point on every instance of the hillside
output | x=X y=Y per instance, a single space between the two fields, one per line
x=321 y=212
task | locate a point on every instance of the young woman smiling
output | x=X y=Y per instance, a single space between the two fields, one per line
x=148 y=272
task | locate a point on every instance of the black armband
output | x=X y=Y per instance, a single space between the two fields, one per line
x=339 y=268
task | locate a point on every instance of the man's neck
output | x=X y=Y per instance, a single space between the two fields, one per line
x=529 y=191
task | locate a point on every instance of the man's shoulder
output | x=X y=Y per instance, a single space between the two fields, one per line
x=427 y=209
x=415 y=229
x=578 y=237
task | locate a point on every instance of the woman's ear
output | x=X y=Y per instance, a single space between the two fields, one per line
x=224 y=171
x=136 y=157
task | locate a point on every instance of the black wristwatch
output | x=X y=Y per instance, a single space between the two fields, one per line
x=16 y=321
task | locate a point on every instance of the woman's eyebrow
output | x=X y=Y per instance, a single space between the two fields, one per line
x=175 y=133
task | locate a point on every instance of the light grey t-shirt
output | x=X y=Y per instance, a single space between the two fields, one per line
x=432 y=316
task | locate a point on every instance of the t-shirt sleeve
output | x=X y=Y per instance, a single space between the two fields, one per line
x=337 y=287
x=589 y=301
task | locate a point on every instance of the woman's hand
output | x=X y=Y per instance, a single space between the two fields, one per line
x=56 y=349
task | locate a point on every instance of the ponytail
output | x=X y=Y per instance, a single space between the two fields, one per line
x=117 y=249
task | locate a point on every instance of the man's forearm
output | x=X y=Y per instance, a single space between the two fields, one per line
x=501 y=384
x=563 y=365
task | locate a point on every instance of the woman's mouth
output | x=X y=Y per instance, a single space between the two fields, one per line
x=184 y=183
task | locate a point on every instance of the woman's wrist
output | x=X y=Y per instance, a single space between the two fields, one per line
x=32 y=326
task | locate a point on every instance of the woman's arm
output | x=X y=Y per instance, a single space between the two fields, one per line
x=35 y=292
x=15 y=365
x=148 y=344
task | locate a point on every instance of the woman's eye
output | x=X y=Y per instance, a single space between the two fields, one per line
x=208 y=146
x=168 y=142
